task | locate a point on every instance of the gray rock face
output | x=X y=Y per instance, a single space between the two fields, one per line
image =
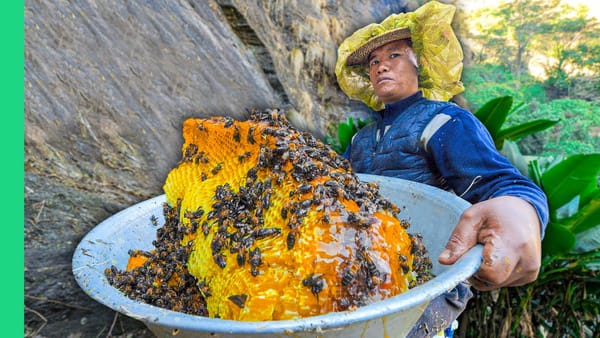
x=107 y=87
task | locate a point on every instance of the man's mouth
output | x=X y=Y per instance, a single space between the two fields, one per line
x=382 y=79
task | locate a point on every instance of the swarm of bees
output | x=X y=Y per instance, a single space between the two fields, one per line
x=265 y=222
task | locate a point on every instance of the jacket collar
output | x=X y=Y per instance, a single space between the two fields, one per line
x=394 y=109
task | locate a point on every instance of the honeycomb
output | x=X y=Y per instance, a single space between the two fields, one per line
x=278 y=225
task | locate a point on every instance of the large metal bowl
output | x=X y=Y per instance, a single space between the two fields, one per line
x=430 y=211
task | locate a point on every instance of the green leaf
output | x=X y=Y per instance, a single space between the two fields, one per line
x=535 y=173
x=557 y=240
x=345 y=134
x=494 y=113
x=361 y=123
x=586 y=218
x=587 y=240
x=568 y=178
x=517 y=132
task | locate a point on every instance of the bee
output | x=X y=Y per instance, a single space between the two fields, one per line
x=373 y=277
x=266 y=201
x=250 y=137
x=236 y=134
x=216 y=169
x=284 y=213
x=239 y=300
x=291 y=237
x=316 y=283
x=205 y=228
x=241 y=257
x=350 y=273
x=228 y=121
x=266 y=232
x=201 y=127
x=154 y=220
x=251 y=175
x=305 y=188
x=218 y=243
x=404 y=264
x=203 y=177
x=255 y=260
x=204 y=289
x=219 y=259
x=368 y=261
x=244 y=156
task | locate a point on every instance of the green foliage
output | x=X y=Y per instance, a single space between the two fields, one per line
x=571 y=186
x=577 y=133
x=484 y=82
x=512 y=33
x=345 y=132
x=494 y=113
x=565 y=298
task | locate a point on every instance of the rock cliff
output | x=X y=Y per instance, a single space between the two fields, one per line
x=107 y=87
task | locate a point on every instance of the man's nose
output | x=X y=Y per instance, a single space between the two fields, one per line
x=382 y=68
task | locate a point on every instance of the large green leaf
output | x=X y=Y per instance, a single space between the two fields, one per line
x=557 y=240
x=586 y=218
x=568 y=178
x=517 y=132
x=345 y=133
x=494 y=112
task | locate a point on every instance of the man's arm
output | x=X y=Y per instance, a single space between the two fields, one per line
x=509 y=212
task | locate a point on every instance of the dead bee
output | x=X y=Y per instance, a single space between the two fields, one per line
x=239 y=300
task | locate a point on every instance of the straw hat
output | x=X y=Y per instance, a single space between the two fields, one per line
x=360 y=55
x=439 y=54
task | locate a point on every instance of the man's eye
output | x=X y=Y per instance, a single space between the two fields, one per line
x=395 y=55
x=373 y=63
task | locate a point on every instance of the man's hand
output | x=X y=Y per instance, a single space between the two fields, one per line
x=509 y=229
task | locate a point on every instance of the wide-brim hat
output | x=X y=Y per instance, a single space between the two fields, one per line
x=361 y=54
x=439 y=54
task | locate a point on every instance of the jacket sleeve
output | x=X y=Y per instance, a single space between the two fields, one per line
x=464 y=153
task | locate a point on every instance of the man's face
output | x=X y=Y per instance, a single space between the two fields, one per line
x=392 y=72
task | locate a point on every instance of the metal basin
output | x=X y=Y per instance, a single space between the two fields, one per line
x=430 y=211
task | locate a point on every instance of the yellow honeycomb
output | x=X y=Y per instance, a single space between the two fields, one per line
x=280 y=226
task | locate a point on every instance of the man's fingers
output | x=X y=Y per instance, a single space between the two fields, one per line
x=463 y=237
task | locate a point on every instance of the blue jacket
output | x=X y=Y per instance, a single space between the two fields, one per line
x=440 y=144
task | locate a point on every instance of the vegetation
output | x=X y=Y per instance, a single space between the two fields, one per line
x=565 y=299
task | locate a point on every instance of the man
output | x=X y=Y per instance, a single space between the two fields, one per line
x=441 y=144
